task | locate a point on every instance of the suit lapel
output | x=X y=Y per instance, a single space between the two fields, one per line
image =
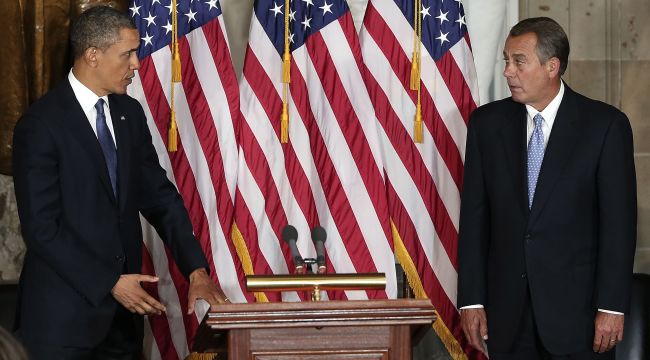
x=77 y=124
x=123 y=152
x=514 y=141
x=561 y=144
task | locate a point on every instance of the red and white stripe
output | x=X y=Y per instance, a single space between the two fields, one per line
x=203 y=169
x=329 y=174
x=423 y=180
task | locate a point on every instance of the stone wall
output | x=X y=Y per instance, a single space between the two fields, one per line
x=12 y=248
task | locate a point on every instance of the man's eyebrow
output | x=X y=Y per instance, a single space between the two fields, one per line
x=519 y=57
x=516 y=55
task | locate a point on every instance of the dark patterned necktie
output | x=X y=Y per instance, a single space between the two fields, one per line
x=107 y=144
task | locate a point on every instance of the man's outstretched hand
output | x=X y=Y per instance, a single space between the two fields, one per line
x=128 y=292
x=202 y=287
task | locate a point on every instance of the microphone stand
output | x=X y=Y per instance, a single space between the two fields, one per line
x=304 y=277
x=309 y=265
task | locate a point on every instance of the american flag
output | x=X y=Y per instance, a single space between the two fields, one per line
x=424 y=179
x=205 y=165
x=330 y=172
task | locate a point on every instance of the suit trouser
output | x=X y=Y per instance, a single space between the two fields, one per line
x=528 y=345
x=121 y=343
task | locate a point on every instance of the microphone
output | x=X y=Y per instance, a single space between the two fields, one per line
x=318 y=236
x=290 y=235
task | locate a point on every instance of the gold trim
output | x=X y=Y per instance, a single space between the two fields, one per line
x=245 y=257
x=451 y=343
x=369 y=281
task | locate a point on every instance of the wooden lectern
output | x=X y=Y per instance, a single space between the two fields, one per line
x=375 y=329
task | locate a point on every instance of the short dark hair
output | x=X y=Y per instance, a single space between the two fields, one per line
x=551 y=39
x=98 y=26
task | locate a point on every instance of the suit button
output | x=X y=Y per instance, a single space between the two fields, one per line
x=119 y=258
x=527 y=238
x=523 y=276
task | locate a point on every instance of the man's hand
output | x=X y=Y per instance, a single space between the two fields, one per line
x=128 y=292
x=608 y=331
x=202 y=287
x=474 y=324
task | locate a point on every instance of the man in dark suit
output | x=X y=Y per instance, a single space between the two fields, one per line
x=85 y=168
x=548 y=214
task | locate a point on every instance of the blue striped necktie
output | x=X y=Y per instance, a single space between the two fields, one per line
x=535 y=157
x=107 y=144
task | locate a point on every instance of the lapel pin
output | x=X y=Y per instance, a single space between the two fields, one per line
x=122 y=117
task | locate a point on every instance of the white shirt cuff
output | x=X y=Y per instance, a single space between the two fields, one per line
x=611 y=312
x=477 y=306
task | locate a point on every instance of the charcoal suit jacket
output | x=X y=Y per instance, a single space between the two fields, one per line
x=80 y=237
x=573 y=250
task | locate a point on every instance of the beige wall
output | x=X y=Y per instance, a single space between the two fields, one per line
x=610 y=61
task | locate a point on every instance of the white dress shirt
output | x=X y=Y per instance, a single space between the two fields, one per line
x=549 y=113
x=87 y=99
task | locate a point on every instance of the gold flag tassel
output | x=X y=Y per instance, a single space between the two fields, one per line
x=172 y=134
x=286 y=79
x=417 y=35
x=418 y=130
x=284 y=122
x=415 y=72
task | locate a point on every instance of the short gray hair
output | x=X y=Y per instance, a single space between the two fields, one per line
x=551 y=39
x=98 y=26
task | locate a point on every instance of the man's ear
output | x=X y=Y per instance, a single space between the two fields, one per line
x=90 y=56
x=553 y=67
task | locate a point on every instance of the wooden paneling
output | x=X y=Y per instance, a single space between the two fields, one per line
x=375 y=329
